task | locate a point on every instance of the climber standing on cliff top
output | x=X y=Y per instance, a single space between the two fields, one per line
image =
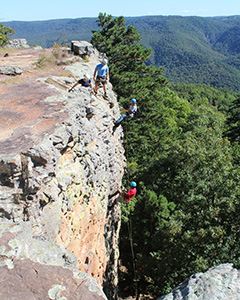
x=125 y=195
x=102 y=73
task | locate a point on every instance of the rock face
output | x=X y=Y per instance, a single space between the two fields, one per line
x=31 y=267
x=18 y=43
x=82 y=48
x=59 y=161
x=36 y=281
x=219 y=283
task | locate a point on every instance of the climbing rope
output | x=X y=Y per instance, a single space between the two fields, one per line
x=128 y=215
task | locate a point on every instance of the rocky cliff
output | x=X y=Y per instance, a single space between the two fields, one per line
x=219 y=283
x=59 y=161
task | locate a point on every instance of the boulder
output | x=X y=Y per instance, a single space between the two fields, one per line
x=18 y=43
x=31 y=267
x=218 y=283
x=82 y=48
x=11 y=70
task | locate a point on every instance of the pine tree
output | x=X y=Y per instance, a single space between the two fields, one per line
x=233 y=121
x=185 y=215
x=126 y=56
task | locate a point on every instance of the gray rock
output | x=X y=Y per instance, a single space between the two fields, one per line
x=11 y=70
x=24 y=279
x=82 y=48
x=218 y=283
x=18 y=43
x=57 y=182
x=18 y=241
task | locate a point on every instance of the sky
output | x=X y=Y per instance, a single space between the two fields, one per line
x=30 y=10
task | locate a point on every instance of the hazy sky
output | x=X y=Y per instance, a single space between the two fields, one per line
x=30 y=10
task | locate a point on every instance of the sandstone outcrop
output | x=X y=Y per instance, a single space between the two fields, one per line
x=32 y=267
x=18 y=43
x=59 y=161
x=82 y=48
x=218 y=283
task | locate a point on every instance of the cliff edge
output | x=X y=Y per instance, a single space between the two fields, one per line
x=59 y=161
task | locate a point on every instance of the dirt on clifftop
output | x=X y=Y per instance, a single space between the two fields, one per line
x=25 y=112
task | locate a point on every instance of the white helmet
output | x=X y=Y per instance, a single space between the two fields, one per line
x=104 y=61
x=86 y=76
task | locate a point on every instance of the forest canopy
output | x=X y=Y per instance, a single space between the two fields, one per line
x=184 y=154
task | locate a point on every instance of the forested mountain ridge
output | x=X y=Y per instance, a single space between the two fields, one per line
x=193 y=49
x=183 y=152
x=185 y=216
x=202 y=50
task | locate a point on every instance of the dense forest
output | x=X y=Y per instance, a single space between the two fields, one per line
x=189 y=49
x=183 y=151
x=193 y=49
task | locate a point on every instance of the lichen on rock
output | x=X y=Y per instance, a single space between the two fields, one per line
x=59 y=161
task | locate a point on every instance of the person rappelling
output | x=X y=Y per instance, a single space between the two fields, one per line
x=130 y=113
x=125 y=195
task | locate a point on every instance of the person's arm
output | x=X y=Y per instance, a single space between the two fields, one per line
x=107 y=75
x=73 y=87
x=130 y=109
x=127 y=197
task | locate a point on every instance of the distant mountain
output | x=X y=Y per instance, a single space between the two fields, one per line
x=45 y=33
x=189 y=49
x=194 y=49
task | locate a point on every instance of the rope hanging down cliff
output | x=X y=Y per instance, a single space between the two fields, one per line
x=128 y=215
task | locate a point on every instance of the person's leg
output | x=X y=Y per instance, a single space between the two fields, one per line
x=121 y=119
x=114 y=194
x=120 y=198
x=104 y=87
x=96 y=86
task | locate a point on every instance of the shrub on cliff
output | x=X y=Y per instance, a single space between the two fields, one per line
x=4 y=32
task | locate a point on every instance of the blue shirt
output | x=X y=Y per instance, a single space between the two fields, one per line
x=101 y=70
x=84 y=83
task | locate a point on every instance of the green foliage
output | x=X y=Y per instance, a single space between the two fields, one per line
x=126 y=56
x=189 y=49
x=229 y=41
x=185 y=215
x=193 y=49
x=4 y=32
x=198 y=173
x=198 y=94
x=114 y=33
x=45 y=33
x=44 y=60
x=233 y=121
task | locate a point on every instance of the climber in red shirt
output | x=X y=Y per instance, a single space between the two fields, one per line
x=124 y=195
